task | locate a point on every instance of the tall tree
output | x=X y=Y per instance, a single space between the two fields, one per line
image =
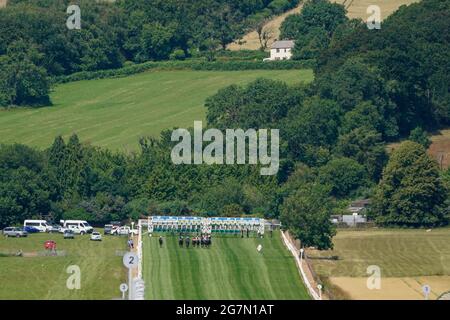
x=22 y=80
x=411 y=192
x=306 y=213
x=265 y=34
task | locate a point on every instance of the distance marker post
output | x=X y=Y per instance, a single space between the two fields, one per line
x=130 y=261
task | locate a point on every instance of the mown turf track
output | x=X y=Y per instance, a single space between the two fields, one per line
x=230 y=269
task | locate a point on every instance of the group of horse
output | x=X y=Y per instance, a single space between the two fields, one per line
x=203 y=241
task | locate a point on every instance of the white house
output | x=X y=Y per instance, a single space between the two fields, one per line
x=281 y=50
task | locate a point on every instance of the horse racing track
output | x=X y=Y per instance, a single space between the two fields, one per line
x=231 y=268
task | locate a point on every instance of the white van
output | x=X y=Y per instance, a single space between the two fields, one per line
x=81 y=226
x=41 y=225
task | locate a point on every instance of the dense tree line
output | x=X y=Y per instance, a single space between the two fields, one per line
x=113 y=34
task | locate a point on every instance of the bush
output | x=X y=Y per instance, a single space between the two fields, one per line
x=177 y=54
x=128 y=63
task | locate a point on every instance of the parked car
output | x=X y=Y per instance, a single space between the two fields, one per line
x=76 y=229
x=115 y=223
x=54 y=229
x=68 y=234
x=30 y=229
x=96 y=236
x=111 y=226
x=124 y=231
x=107 y=229
x=14 y=232
x=81 y=225
x=50 y=245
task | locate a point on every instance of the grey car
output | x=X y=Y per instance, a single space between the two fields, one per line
x=68 y=234
x=14 y=232
x=55 y=229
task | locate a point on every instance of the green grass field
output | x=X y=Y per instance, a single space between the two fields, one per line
x=398 y=252
x=230 y=269
x=115 y=113
x=44 y=277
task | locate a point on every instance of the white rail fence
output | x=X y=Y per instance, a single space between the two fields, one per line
x=136 y=284
x=295 y=253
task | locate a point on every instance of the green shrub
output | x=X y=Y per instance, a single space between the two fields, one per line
x=177 y=54
x=128 y=63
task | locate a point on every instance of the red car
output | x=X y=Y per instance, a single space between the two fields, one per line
x=50 y=245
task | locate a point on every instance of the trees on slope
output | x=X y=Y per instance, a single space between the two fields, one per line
x=313 y=28
x=410 y=192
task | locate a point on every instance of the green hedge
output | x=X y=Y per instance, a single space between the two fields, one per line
x=186 y=65
x=241 y=55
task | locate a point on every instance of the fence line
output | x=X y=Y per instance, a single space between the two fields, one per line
x=294 y=252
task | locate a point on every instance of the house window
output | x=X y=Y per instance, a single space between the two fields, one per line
x=278 y=50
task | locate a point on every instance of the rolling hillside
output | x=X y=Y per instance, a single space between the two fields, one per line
x=115 y=113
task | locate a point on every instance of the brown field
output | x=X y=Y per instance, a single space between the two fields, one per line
x=358 y=8
x=3 y=3
x=405 y=288
x=407 y=259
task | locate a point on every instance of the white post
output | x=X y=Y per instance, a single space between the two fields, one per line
x=130 y=285
x=319 y=286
